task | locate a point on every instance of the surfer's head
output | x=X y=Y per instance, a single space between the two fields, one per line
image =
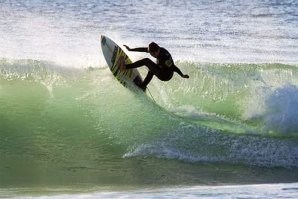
x=154 y=49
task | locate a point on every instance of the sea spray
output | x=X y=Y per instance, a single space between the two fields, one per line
x=282 y=114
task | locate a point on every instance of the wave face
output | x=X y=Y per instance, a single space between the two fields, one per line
x=82 y=121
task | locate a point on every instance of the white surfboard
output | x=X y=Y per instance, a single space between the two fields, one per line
x=112 y=52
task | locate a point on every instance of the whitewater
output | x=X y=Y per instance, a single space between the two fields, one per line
x=69 y=129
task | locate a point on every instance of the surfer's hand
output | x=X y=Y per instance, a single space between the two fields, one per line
x=185 y=76
x=128 y=48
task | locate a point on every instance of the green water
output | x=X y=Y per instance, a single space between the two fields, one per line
x=80 y=128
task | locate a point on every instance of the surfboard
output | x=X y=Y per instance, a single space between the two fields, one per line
x=112 y=52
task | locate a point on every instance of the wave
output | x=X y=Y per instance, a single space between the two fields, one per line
x=227 y=113
x=247 y=94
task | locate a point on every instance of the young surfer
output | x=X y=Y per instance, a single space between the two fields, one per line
x=163 y=69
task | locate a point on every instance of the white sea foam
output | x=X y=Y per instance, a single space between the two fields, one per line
x=286 y=190
x=282 y=114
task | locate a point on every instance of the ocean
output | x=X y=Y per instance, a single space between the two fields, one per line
x=68 y=129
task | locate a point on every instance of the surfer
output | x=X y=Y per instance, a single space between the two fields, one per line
x=164 y=69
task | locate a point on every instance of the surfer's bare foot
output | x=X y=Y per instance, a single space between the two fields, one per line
x=122 y=63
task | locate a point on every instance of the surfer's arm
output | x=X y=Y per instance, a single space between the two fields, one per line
x=145 y=50
x=177 y=70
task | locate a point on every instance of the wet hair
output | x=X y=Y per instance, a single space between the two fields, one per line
x=153 y=47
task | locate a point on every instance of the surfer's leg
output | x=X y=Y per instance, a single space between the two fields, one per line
x=147 y=79
x=143 y=62
x=154 y=69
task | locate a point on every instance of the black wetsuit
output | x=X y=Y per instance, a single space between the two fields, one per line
x=164 y=69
